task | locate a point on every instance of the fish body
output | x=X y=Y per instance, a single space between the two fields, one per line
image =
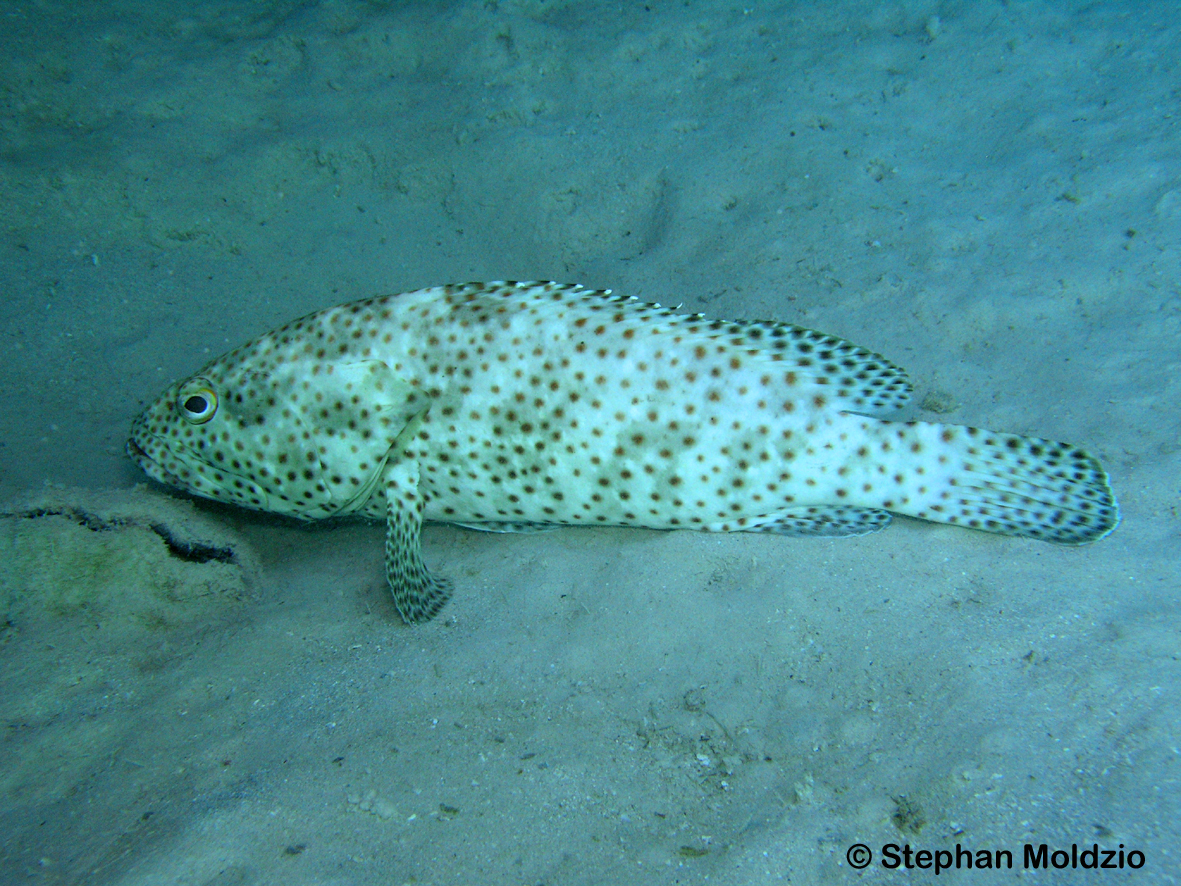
x=514 y=405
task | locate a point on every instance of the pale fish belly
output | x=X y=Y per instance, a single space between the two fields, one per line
x=507 y=405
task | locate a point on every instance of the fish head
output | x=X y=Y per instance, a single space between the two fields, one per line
x=303 y=440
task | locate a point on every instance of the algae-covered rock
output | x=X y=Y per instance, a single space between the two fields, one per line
x=129 y=556
x=103 y=598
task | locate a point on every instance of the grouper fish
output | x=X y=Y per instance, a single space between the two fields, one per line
x=517 y=406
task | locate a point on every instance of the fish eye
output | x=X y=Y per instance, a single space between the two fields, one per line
x=197 y=401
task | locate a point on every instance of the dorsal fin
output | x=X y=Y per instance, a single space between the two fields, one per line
x=853 y=378
x=859 y=379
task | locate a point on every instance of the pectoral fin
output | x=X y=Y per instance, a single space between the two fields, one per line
x=418 y=595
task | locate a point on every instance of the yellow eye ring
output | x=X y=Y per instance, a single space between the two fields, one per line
x=197 y=401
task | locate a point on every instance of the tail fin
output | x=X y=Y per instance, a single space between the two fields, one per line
x=1003 y=483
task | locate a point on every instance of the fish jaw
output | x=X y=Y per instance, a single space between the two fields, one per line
x=180 y=468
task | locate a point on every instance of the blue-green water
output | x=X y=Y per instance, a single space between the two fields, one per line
x=985 y=193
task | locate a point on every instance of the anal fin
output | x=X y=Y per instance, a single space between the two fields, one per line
x=510 y=527
x=823 y=521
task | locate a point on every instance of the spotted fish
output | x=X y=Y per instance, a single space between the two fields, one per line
x=505 y=406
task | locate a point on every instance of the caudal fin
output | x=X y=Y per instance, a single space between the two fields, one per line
x=1004 y=483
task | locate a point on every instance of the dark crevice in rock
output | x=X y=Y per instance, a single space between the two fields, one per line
x=183 y=549
x=192 y=551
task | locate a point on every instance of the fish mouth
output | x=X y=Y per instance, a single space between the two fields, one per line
x=142 y=447
x=149 y=465
x=137 y=455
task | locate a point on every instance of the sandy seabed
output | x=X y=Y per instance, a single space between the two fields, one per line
x=987 y=193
